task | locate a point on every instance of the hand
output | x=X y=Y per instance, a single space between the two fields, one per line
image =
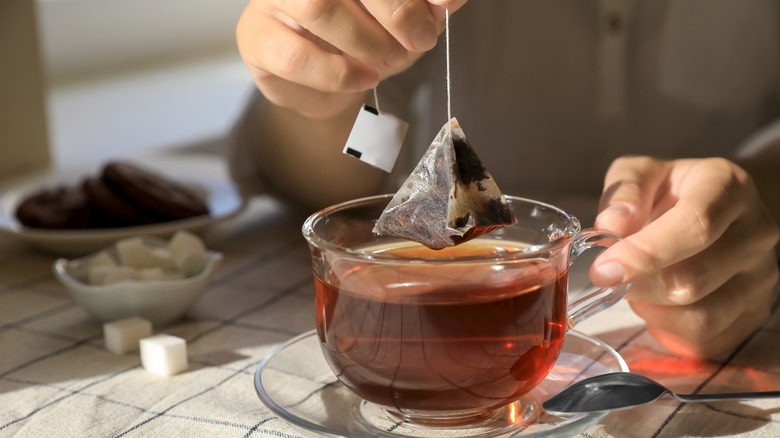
x=698 y=246
x=318 y=57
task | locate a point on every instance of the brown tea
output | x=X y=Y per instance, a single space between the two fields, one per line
x=442 y=336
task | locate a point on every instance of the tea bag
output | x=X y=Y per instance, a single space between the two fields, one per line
x=448 y=199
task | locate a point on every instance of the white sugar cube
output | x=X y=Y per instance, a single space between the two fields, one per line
x=97 y=274
x=133 y=252
x=165 y=355
x=150 y=274
x=98 y=266
x=188 y=252
x=104 y=275
x=161 y=258
x=123 y=335
x=103 y=258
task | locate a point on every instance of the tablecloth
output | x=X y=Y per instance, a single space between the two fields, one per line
x=58 y=380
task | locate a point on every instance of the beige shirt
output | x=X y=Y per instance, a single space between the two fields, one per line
x=549 y=92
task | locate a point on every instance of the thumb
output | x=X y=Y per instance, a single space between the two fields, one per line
x=630 y=190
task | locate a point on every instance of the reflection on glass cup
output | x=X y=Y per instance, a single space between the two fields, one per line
x=447 y=336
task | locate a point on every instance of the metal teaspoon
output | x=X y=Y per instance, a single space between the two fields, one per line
x=622 y=390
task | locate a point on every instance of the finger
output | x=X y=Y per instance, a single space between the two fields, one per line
x=441 y=8
x=310 y=103
x=714 y=315
x=694 y=278
x=713 y=348
x=707 y=203
x=411 y=22
x=347 y=26
x=445 y=2
x=630 y=189
x=281 y=51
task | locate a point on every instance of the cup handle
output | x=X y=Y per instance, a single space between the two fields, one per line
x=602 y=298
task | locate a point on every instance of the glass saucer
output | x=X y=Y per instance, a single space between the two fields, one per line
x=295 y=382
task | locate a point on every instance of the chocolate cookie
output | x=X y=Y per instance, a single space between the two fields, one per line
x=111 y=209
x=153 y=192
x=55 y=208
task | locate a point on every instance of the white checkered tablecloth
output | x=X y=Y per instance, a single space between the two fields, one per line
x=57 y=380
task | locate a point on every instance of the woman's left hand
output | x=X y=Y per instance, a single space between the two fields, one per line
x=698 y=246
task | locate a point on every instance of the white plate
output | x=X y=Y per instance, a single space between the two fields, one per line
x=204 y=174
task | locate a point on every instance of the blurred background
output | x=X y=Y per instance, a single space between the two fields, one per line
x=122 y=77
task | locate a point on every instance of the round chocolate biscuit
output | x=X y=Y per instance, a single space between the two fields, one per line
x=153 y=192
x=112 y=208
x=55 y=208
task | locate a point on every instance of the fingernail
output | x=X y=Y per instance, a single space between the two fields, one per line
x=396 y=58
x=424 y=37
x=608 y=274
x=620 y=212
x=617 y=209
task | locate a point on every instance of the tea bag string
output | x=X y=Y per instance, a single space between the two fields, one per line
x=376 y=101
x=448 y=75
x=448 y=78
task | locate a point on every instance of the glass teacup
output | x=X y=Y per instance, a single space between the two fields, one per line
x=447 y=337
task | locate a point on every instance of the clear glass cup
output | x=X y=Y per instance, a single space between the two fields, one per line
x=447 y=337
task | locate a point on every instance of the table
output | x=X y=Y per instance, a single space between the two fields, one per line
x=57 y=380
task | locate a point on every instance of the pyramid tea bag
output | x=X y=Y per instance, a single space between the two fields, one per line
x=448 y=199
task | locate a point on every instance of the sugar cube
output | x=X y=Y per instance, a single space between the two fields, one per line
x=188 y=252
x=132 y=252
x=161 y=258
x=150 y=274
x=135 y=253
x=98 y=266
x=123 y=335
x=103 y=258
x=163 y=354
x=113 y=274
x=97 y=274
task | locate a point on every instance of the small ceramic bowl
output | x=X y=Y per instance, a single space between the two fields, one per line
x=159 y=301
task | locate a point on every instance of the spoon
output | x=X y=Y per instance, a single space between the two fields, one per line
x=611 y=391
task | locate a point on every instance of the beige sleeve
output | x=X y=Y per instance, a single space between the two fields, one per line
x=242 y=166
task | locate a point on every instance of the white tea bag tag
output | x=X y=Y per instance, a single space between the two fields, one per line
x=376 y=139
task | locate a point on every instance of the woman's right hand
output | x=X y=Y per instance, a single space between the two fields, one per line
x=318 y=57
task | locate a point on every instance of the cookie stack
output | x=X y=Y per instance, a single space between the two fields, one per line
x=122 y=195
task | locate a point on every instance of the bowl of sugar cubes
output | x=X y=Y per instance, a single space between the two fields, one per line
x=146 y=277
